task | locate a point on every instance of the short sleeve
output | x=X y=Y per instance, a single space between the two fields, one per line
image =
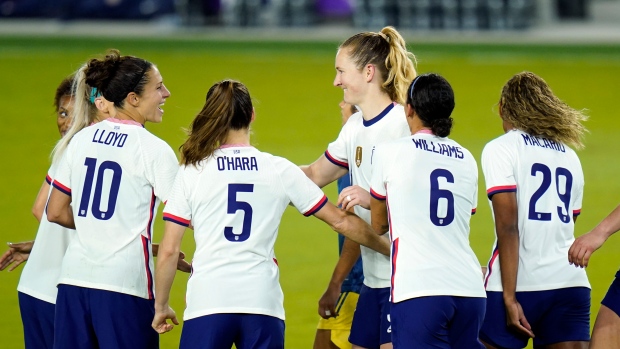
x=178 y=209
x=161 y=167
x=498 y=168
x=378 y=188
x=306 y=196
x=337 y=151
x=62 y=177
x=578 y=183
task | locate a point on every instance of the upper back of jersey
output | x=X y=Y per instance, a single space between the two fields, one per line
x=430 y=184
x=354 y=149
x=548 y=181
x=117 y=173
x=235 y=200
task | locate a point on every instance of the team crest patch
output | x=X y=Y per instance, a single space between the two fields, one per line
x=358 y=156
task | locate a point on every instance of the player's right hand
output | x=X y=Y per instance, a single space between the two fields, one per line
x=17 y=254
x=327 y=303
x=516 y=319
x=159 y=321
x=583 y=247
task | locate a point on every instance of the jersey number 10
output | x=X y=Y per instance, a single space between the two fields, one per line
x=91 y=166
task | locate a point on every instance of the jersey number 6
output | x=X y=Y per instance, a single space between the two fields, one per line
x=437 y=194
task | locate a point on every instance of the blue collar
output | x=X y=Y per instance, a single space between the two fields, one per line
x=376 y=119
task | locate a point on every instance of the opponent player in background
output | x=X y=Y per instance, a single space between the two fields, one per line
x=234 y=197
x=337 y=304
x=374 y=71
x=109 y=182
x=606 y=331
x=430 y=185
x=535 y=184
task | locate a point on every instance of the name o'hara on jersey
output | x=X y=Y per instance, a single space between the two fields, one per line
x=111 y=138
x=439 y=148
x=237 y=163
x=542 y=142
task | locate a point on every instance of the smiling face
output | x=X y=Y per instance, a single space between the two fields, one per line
x=349 y=78
x=64 y=113
x=153 y=97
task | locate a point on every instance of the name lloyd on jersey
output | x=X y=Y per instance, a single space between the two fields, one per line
x=233 y=163
x=543 y=143
x=439 y=148
x=115 y=139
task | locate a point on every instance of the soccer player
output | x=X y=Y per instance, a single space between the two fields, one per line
x=109 y=183
x=606 y=332
x=430 y=185
x=37 y=284
x=234 y=197
x=535 y=184
x=338 y=303
x=374 y=71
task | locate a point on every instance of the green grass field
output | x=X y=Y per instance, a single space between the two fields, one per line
x=297 y=116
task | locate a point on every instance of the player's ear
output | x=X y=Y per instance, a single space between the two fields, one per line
x=409 y=111
x=369 y=72
x=133 y=99
x=253 y=116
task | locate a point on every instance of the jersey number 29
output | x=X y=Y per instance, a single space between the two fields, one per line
x=546 y=183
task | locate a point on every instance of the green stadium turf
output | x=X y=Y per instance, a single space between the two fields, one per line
x=297 y=116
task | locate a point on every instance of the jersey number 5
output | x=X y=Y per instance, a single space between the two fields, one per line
x=546 y=183
x=91 y=166
x=235 y=205
x=437 y=194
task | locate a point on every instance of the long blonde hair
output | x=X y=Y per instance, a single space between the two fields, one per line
x=388 y=52
x=528 y=103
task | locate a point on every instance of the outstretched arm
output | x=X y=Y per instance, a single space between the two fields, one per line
x=322 y=171
x=353 y=227
x=17 y=254
x=584 y=246
x=168 y=254
x=506 y=226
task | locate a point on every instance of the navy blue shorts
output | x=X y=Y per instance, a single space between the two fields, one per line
x=90 y=318
x=442 y=322
x=612 y=298
x=561 y=315
x=38 y=320
x=246 y=331
x=371 y=321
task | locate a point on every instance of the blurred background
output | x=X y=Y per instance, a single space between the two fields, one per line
x=434 y=15
x=284 y=50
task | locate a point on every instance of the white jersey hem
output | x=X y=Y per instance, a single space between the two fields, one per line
x=257 y=311
x=532 y=288
x=35 y=294
x=103 y=287
x=433 y=293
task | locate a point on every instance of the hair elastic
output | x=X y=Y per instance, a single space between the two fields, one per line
x=94 y=93
x=411 y=88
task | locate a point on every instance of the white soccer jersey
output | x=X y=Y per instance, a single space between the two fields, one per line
x=548 y=182
x=40 y=275
x=116 y=173
x=353 y=150
x=430 y=184
x=235 y=201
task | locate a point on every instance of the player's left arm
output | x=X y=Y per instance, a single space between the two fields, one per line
x=38 y=207
x=506 y=226
x=59 y=209
x=379 y=216
x=353 y=227
x=168 y=252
